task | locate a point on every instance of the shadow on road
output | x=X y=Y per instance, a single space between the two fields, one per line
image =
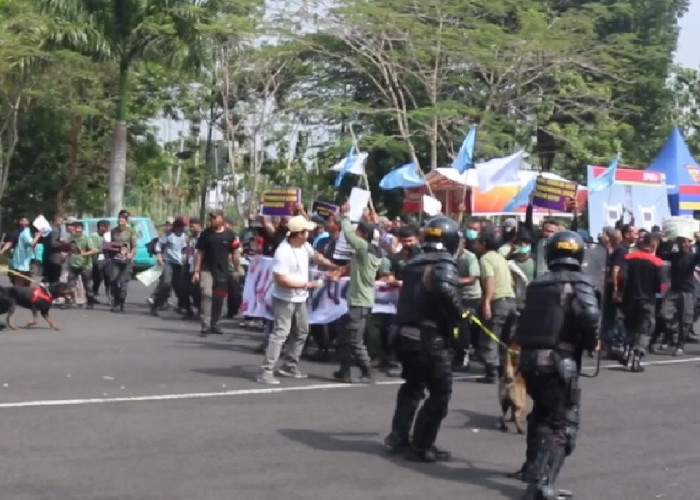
x=356 y=442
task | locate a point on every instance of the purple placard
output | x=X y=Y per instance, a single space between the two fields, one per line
x=553 y=194
x=281 y=202
x=324 y=209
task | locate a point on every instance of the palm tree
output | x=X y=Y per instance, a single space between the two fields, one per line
x=126 y=32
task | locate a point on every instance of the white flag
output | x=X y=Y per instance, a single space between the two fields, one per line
x=431 y=206
x=358 y=167
x=499 y=171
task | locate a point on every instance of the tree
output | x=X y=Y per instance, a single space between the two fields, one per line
x=126 y=32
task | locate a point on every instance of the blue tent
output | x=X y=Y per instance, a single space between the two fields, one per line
x=682 y=174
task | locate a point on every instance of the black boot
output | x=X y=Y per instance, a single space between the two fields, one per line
x=431 y=455
x=343 y=375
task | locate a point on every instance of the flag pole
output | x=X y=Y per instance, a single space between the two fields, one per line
x=364 y=173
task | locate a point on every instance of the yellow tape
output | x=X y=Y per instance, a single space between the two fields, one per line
x=487 y=332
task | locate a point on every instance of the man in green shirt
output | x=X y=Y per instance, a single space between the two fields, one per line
x=124 y=241
x=80 y=261
x=363 y=271
x=497 y=302
x=99 y=263
x=470 y=292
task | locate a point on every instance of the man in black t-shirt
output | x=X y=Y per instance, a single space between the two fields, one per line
x=216 y=246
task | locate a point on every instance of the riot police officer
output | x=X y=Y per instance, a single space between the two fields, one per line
x=429 y=307
x=559 y=322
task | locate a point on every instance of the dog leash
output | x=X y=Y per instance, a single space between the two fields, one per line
x=471 y=317
x=31 y=280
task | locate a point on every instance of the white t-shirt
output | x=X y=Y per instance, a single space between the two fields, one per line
x=293 y=262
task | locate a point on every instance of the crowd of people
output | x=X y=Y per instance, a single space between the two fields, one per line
x=648 y=302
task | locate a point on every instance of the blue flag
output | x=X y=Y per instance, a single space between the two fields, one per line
x=347 y=165
x=406 y=176
x=522 y=197
x=606 y=179
x=466 y=152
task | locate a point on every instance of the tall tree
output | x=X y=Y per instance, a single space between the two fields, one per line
x=126 y=32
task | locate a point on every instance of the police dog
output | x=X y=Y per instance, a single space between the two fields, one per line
x=38 y=299
x=512 y=394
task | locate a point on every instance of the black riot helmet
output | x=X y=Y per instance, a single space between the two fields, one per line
x=441 y=234
x=565 y=248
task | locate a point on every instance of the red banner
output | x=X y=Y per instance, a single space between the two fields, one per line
x=633 y=175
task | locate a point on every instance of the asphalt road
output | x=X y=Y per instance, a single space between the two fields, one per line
x=130 y=406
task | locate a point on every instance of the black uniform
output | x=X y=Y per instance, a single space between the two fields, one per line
x=429 y=307
x=559 y=322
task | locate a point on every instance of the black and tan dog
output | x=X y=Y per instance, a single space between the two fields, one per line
x=512 y=394
x=37 y=299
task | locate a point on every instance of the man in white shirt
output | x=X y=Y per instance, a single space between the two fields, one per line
x=289 y=295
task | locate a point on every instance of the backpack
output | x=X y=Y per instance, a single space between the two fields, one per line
x=151 y=246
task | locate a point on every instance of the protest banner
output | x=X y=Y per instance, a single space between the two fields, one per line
x=553 y=194
x=326 y=303
x=281 y=202
x=324 y=209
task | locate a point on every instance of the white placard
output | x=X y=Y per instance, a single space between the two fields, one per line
x=431 y=206
x=42 y=225
x=358 y=201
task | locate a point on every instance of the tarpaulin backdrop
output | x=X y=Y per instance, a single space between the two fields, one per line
x=642 y=192
x=325 y=304
x=448 y=186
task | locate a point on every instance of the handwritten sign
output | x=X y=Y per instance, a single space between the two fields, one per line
x=324 y=209
x=554 y=194
x=281 y=202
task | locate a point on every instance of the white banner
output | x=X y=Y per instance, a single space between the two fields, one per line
x=326 y=304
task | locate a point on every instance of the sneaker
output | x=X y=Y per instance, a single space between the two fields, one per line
x=215 y=330
x=678 y=352
x=291 y=372
x=268 y=378
x=636 y=363
x=150 y=301
x=203 y=331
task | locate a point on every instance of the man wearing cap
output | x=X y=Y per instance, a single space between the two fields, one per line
x=216 y=247
x=289 y=294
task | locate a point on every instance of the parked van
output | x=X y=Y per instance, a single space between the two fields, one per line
x=145 y=232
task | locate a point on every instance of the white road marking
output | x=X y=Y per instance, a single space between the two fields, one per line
x=267 y=390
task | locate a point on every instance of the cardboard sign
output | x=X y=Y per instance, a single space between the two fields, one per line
x=324 y=209
x=281 y=202
x=554 y=194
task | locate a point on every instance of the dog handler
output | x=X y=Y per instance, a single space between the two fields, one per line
x=558 y=323
x=429 y=308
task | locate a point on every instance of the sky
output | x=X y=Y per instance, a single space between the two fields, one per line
x=688 y=53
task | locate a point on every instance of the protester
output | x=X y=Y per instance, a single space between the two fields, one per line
x=190 y=292
x=99 y=263
x=678 y=305
x=470 y=295
x=123 y=239
x=80 y=261
x=215 y=249
x=497 y=303
x=53 y=246
x=289 y=295
x=363 y=271
x=22 y=253
x=169 y=249
x=641 y=283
